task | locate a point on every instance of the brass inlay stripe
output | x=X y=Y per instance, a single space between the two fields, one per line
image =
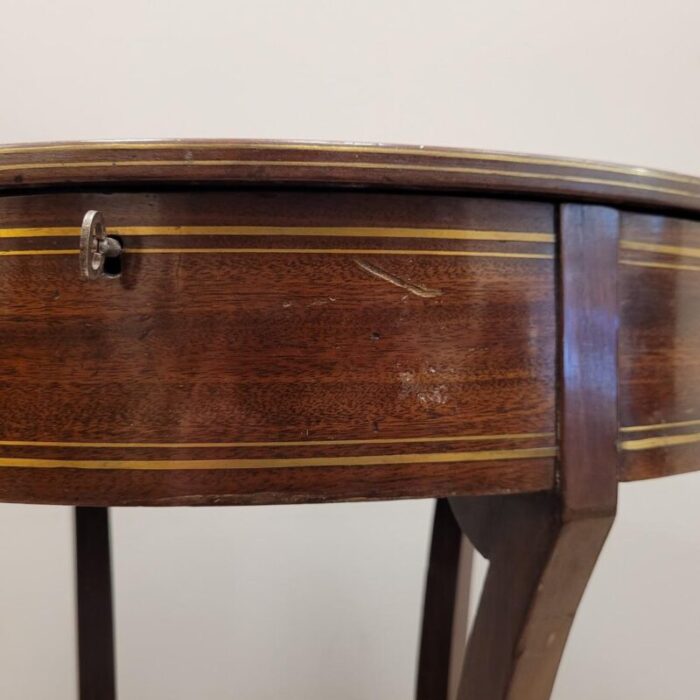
x=308 y=251
x=660 y=441
x=283 y=443
x=659 y=426
x=346 y=251
x=653 y=442
x=353 y=165
x=361 y=148
x=340 y=231
x=664 y=249
x=662 y=266
x=280 y=463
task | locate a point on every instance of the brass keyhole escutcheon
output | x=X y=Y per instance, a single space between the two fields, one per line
x=96 y=246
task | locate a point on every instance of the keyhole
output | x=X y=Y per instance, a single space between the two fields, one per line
x=113 y=265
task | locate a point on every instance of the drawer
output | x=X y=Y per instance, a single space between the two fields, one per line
x=262 y=345
x=659 y=345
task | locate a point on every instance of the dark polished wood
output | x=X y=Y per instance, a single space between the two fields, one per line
x=517 y=535
x=542 y=547
x=588 y=262
x=309 y=164
x=659 y=346
x=277 y=347
x=445 y=608
x=302 y=322
x=96 y=673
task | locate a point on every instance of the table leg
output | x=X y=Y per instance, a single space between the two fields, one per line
x=96 y=673
x=542 y=547
x=539 y=566
x=445 y=608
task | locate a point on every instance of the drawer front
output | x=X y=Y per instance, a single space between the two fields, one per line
x=276 y=346
x=659 y=346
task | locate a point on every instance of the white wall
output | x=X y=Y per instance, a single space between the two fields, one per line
x=323 y=601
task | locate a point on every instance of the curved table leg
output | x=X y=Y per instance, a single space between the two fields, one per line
x=542 y=547
x=445 y=608
x=538 y=570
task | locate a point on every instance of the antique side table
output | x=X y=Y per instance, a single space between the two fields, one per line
x=231 y=322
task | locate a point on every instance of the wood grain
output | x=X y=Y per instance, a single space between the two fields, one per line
x=543 y=547
x=304 y=322
x=417 y=364
x=271 y=163
x=659 y=346
x=589 y=360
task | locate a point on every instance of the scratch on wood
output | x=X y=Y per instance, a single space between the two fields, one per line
x=417 y=289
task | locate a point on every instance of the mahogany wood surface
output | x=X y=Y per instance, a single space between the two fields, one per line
x=380 y=326
x=445 y=608
x=277 y=346
x=517 y=535
x=659 y=346
x=542 y=547
x=300 y=322
x=313 y=164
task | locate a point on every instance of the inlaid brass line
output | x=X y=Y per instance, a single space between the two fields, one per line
x=682 y=251
x=345 y=251
x=662 y=266
x=311 y=231
x=283 y=443
x=8 y=253
x=653 y=442
x=298 y=251
x=281 y=463
x=515 y=174
x=658 y=426
x=451 y=153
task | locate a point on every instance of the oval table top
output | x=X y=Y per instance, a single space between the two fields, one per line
x=297 y=321
x=344 y=163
